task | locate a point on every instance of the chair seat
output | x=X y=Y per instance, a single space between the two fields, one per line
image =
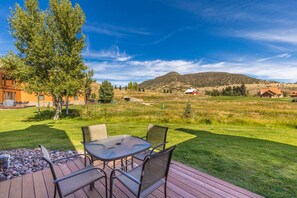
x=136 y=173
x=142 y=155
x=76 y=182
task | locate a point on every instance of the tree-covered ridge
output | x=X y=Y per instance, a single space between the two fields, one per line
x=176 y=81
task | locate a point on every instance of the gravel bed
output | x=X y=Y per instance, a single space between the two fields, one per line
x=24 y=161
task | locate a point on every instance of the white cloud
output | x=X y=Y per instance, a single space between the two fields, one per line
x=282 y=35
x=140 y=71
x=113 y=53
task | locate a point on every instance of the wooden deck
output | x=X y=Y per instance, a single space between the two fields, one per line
x=183 y=181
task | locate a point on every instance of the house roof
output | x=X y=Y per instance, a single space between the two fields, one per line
x=273 y=90
x=293 y=94
x=191 y=90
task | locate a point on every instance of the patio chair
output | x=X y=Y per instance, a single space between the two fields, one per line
x=147 y=177
x=74 y=181
x=91 y=133
x=156 y=135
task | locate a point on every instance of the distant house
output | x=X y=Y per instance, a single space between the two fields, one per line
x=272 y=92
x=191 y=91
x=293 y=94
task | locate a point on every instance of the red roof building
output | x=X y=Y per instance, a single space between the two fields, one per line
x=272 y=92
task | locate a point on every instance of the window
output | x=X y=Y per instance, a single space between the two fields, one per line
x=75 y=97
x=3 y=80
x=41 y=97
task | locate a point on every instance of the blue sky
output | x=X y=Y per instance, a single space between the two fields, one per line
x=136 y=40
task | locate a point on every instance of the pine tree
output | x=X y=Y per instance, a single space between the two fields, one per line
x=106 y=92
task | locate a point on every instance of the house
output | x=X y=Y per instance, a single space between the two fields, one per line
x=191 y=91
x=11 y=91
x=272 y=92
x=293 y=94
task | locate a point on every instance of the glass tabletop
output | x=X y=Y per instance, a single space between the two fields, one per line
x=116 y=147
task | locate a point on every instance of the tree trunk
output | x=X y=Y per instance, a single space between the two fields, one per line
x=67 y=103
x=58 y=107
x=38 y=104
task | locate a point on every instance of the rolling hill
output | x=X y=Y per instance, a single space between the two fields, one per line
x=176 y=81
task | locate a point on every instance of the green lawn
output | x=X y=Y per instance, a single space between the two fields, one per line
x=256 y=156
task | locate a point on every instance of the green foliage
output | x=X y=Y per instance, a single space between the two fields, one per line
x=93 y=96
x=106 y=92
x=133 y=86
x=49 y=45
x=90 y=111
x=188 y=110
x=229 y=91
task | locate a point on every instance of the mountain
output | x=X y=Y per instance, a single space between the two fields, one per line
x=176 y=81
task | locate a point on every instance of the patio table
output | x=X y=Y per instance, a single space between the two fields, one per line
x=116 y=147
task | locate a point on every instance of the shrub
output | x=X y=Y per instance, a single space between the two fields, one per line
x=188 y=110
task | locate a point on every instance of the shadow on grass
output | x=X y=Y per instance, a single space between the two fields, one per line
x=49 y=114
x=264 y=167
x=34 y=135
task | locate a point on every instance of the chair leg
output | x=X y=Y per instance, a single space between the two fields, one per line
x=132 y=162
x=104 y=164
x=165 y=189
x=106 y=191
x=110 y=187
x=92 y=185
x=55 y=193
x=85 y=159
x=122 y=164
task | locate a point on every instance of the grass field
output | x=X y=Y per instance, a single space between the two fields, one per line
x=250 y=142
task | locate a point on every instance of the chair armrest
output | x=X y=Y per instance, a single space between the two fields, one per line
x=73 y=175
x=154 y=148
x=72 y=156
x=125 y=174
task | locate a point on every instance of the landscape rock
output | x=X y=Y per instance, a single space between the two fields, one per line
x=25 y=161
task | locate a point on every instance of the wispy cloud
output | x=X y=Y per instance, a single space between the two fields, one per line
x=285 y=55
x=113 y=53
x=281 y=35
x=116 y=31
x=167 y=36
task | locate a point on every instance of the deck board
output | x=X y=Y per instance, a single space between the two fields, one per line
x=183 y=181
x=16 y=188
x=28 y=188
x=4 y=188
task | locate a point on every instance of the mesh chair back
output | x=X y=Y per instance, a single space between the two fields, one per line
x=156 y=135
x=94 y=132
x=47 y=158
x=155 y=168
